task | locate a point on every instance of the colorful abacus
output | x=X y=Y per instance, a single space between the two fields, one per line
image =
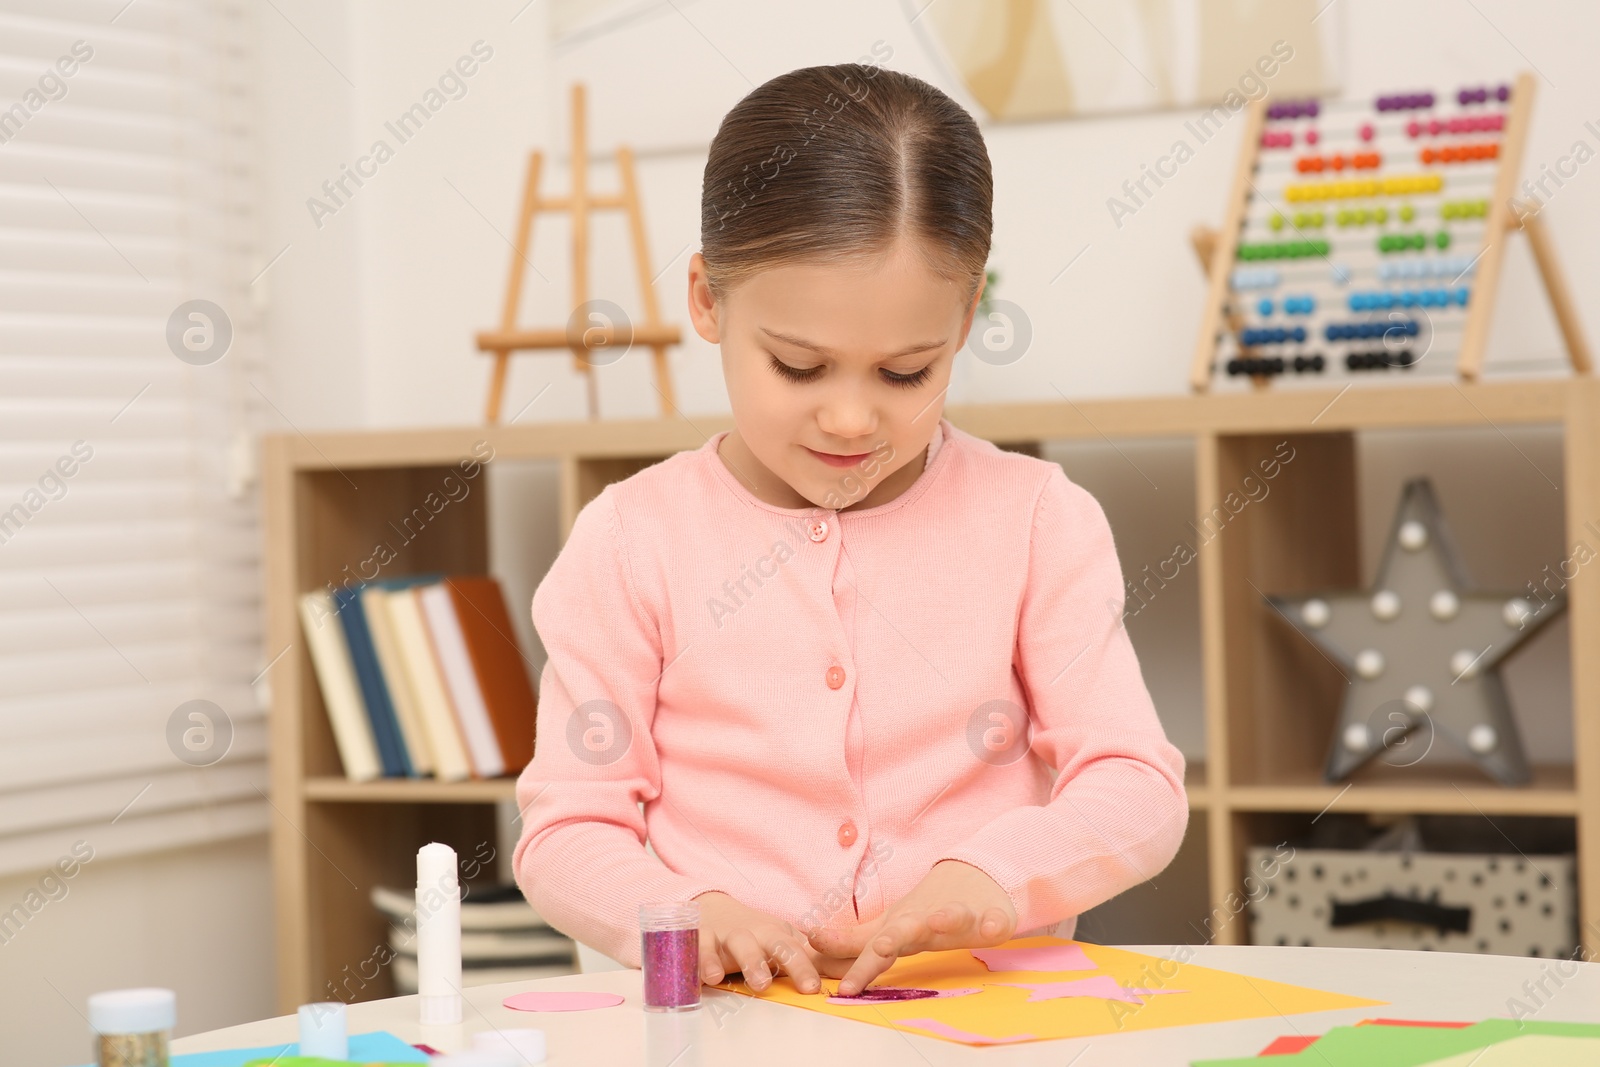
x=1371 y=233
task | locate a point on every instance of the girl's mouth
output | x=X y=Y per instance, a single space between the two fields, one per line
x=838 y=461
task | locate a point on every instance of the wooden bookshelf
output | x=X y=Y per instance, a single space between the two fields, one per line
x=330 y=496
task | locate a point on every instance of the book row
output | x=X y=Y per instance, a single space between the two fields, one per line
x=422 y=676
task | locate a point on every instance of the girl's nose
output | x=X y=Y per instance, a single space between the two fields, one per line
x=847 y=417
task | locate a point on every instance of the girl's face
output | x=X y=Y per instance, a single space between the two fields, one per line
x=836 y=373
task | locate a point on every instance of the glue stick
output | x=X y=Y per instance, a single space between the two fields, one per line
x=438 y=935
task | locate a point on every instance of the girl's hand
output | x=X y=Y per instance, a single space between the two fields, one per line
x=736 y=938
x=955 y=906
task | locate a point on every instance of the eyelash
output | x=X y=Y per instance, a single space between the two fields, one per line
x=794 y=374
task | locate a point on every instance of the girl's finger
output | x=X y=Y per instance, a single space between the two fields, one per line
x=795 y=963
x=711 y=971
x=995 y=926
x=741 y=951
x=900 y=936
x=950 y=922
x=833 y=966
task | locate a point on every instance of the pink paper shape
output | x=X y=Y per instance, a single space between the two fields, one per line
x=875 y=1000
x=934 y=1026
x=570 y=1001
x=1069 y=957
x=1101 y=985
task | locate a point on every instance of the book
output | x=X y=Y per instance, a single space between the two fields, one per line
x=434 y=709
x=483 y=946
x=405 y=973
x=347 y=714
x=380 y=711
x=455 y=666
x=492 y=908
x=396 y=680
x=499 y=665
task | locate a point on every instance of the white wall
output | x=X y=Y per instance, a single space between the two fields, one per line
x=427 y=268
x=198 y=921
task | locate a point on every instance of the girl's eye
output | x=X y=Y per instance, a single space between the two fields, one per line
x=797 y=374
x=908 y=380
x=794 y=374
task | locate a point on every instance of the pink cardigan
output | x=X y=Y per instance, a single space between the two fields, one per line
x=816 y=706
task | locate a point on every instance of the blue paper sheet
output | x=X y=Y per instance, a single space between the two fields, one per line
x=380 y=1046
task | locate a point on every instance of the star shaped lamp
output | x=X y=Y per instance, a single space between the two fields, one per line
x=1422 y=650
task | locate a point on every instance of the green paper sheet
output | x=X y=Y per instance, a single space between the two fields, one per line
x=1530 y=1050
x=1406 y=1046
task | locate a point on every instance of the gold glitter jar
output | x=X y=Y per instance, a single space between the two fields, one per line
x=131 y=1027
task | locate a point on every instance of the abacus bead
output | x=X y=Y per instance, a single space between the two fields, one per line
x=1366 y=131
x=1313 y=107
x=1311 y=137
x=1461 y=296
x=1503 y=93
x=1265 y=307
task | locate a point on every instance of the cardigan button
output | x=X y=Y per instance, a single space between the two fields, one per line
x=835 y=676
x=847 y=834
x=818 y=530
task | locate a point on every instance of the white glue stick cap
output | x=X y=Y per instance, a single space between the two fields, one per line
x=323 y=1031
x=133 y=1011
x=526 y=1044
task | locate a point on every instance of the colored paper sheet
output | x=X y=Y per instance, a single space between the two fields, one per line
x=1298 y=1042
x=1101 y=985
x=1408 y=1046
x=379 y=1046
x=1284 y=1045
x=561 y=1000
x=1002 y=1013
x=1064 y=957
x=1530 y=1050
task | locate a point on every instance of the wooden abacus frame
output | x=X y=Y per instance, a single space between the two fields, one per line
x=1216 y=250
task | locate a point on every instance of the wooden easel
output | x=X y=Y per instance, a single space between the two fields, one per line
x=1216 y=248
x=580 y=337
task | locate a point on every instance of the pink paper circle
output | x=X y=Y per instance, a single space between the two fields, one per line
x=576 y=1001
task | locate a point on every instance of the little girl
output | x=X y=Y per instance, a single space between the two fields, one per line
x=857 y=676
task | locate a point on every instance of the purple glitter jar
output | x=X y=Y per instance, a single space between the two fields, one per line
x=670 y=956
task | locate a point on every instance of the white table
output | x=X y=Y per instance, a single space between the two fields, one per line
x=749 y=1032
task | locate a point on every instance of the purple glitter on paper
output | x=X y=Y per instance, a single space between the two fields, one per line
x=890 y=993
x=671 y=964
x=879 y=994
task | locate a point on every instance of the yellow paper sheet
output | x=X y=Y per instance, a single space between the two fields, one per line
x=1530 y=1050
x=1002 y=1013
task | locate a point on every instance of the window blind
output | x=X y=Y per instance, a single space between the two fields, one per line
x=129 y=533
